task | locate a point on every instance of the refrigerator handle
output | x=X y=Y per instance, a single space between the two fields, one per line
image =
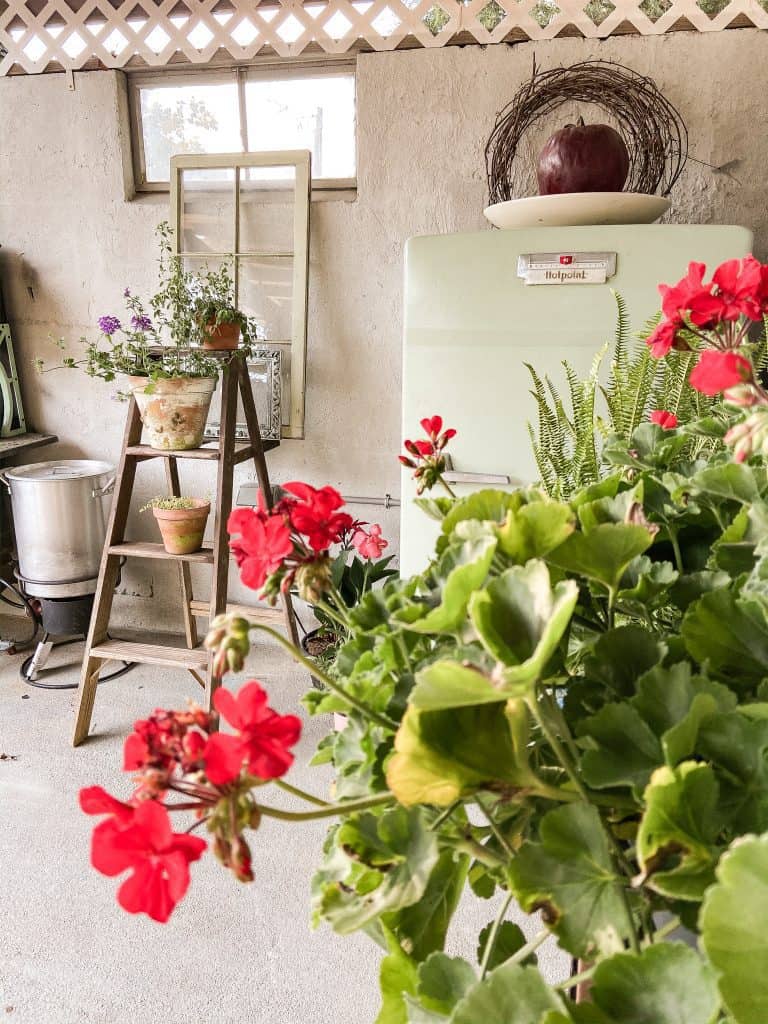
x=453 y=476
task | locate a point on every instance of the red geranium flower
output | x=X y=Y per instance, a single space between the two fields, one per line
x=690 y=295
x=666 y=420
x=740 y=286
x=315 y=515
x=662 y=339
x=261 y=743
x=264 y=543
x=716 y=371
x=158 y=858
x=95 y=800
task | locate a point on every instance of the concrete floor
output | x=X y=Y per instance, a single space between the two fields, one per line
x=230 y=953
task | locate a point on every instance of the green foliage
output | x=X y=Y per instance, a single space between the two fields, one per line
x=578 y=694
x=570 y=444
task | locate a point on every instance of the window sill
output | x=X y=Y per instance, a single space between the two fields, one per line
x=154 y=195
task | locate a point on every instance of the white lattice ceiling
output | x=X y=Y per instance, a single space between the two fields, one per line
x=45 y=35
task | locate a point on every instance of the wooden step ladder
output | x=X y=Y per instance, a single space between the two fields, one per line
x=99 y=647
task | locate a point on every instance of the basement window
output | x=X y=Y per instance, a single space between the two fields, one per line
x=242 y=111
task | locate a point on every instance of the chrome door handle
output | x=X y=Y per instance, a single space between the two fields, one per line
x=454 y=477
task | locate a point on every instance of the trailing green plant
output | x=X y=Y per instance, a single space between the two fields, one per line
x=163 y=339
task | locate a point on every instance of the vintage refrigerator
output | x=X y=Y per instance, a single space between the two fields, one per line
x=478 y=306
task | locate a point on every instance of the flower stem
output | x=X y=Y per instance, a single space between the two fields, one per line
x=498 y=834
x=302 y=794
x=493 y=936
x=558 y=749
x=666 y=929
x=330 y=810
x=530 y=947
x=448 y=487
x=311 y=666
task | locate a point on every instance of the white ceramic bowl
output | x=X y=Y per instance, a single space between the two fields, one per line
x=573 y=208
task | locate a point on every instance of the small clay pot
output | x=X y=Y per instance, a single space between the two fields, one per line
x=182 y=529
x=224 y=337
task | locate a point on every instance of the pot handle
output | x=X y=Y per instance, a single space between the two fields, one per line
x=4 y=480
x=102 y=492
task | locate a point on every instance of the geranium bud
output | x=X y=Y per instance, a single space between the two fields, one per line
x=223 y=850
x=742 y=395
x=240 y=860
x=313 y=580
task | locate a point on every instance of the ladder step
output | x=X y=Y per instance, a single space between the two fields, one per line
x=201 y=609
x=151 y=654
x=241 y=452
x=145 y=549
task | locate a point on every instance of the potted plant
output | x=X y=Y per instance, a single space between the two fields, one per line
x=181 y=522
x=156 y=349
x=220 y=325
x=566 y=709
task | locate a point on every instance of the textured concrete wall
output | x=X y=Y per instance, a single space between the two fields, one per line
x=71 y=242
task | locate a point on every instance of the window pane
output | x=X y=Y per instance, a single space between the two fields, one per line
x=267 y=209
x=207 y=210
x=315 y=113
x=188 y=119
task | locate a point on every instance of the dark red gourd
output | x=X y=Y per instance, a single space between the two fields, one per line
x=583 y=158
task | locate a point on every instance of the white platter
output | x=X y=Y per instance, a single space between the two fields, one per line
x=572 y=208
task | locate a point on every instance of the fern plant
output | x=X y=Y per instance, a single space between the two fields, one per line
x=568 y=442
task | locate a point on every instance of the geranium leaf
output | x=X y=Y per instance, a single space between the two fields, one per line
x=373 y=865
x=609 y=509
x=730 y=635
x=667 y=983
x=569 y=875
x=448 y=684
x=397 y=975
x=676 y=838
x=738 y=748
x=733 y=931
x=435 y=508
x=443 y=981
x=441 y=755
x=621 y=656
x=730 y=481
x=520 y=620
x=604 y=553
x=509 y=938
x=625 y=752
x=486 y=506
x=509 y=995
x=463 y=568
x=423 y=925
x=535 y=529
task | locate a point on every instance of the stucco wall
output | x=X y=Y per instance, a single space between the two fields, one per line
x=71 y=242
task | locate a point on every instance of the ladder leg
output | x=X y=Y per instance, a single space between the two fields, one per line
x=108 y=571
x=229 y=378
x=185 y=572
x=262 y=474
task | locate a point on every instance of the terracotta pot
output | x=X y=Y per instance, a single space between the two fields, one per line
x=182 y=529
x=224 y=337
x=174 y=411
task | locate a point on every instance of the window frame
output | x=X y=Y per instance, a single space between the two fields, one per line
x=322 y=188
x=301 y=161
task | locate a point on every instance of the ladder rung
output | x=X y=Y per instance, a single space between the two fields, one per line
x=151 y=654
x=144 y=451
x=145 y=549
x=202 y=609
x=240 y=453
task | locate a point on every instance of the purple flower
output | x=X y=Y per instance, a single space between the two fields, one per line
x=109 y=324
x=127 y=293
x=141 y=322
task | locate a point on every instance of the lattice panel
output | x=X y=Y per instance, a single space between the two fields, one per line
x=48 y=35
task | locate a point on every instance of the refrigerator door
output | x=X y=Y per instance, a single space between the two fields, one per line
x=471 y=323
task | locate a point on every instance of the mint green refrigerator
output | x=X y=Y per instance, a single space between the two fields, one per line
x=478 y=306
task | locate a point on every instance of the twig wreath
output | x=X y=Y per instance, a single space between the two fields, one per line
x=652 y=128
